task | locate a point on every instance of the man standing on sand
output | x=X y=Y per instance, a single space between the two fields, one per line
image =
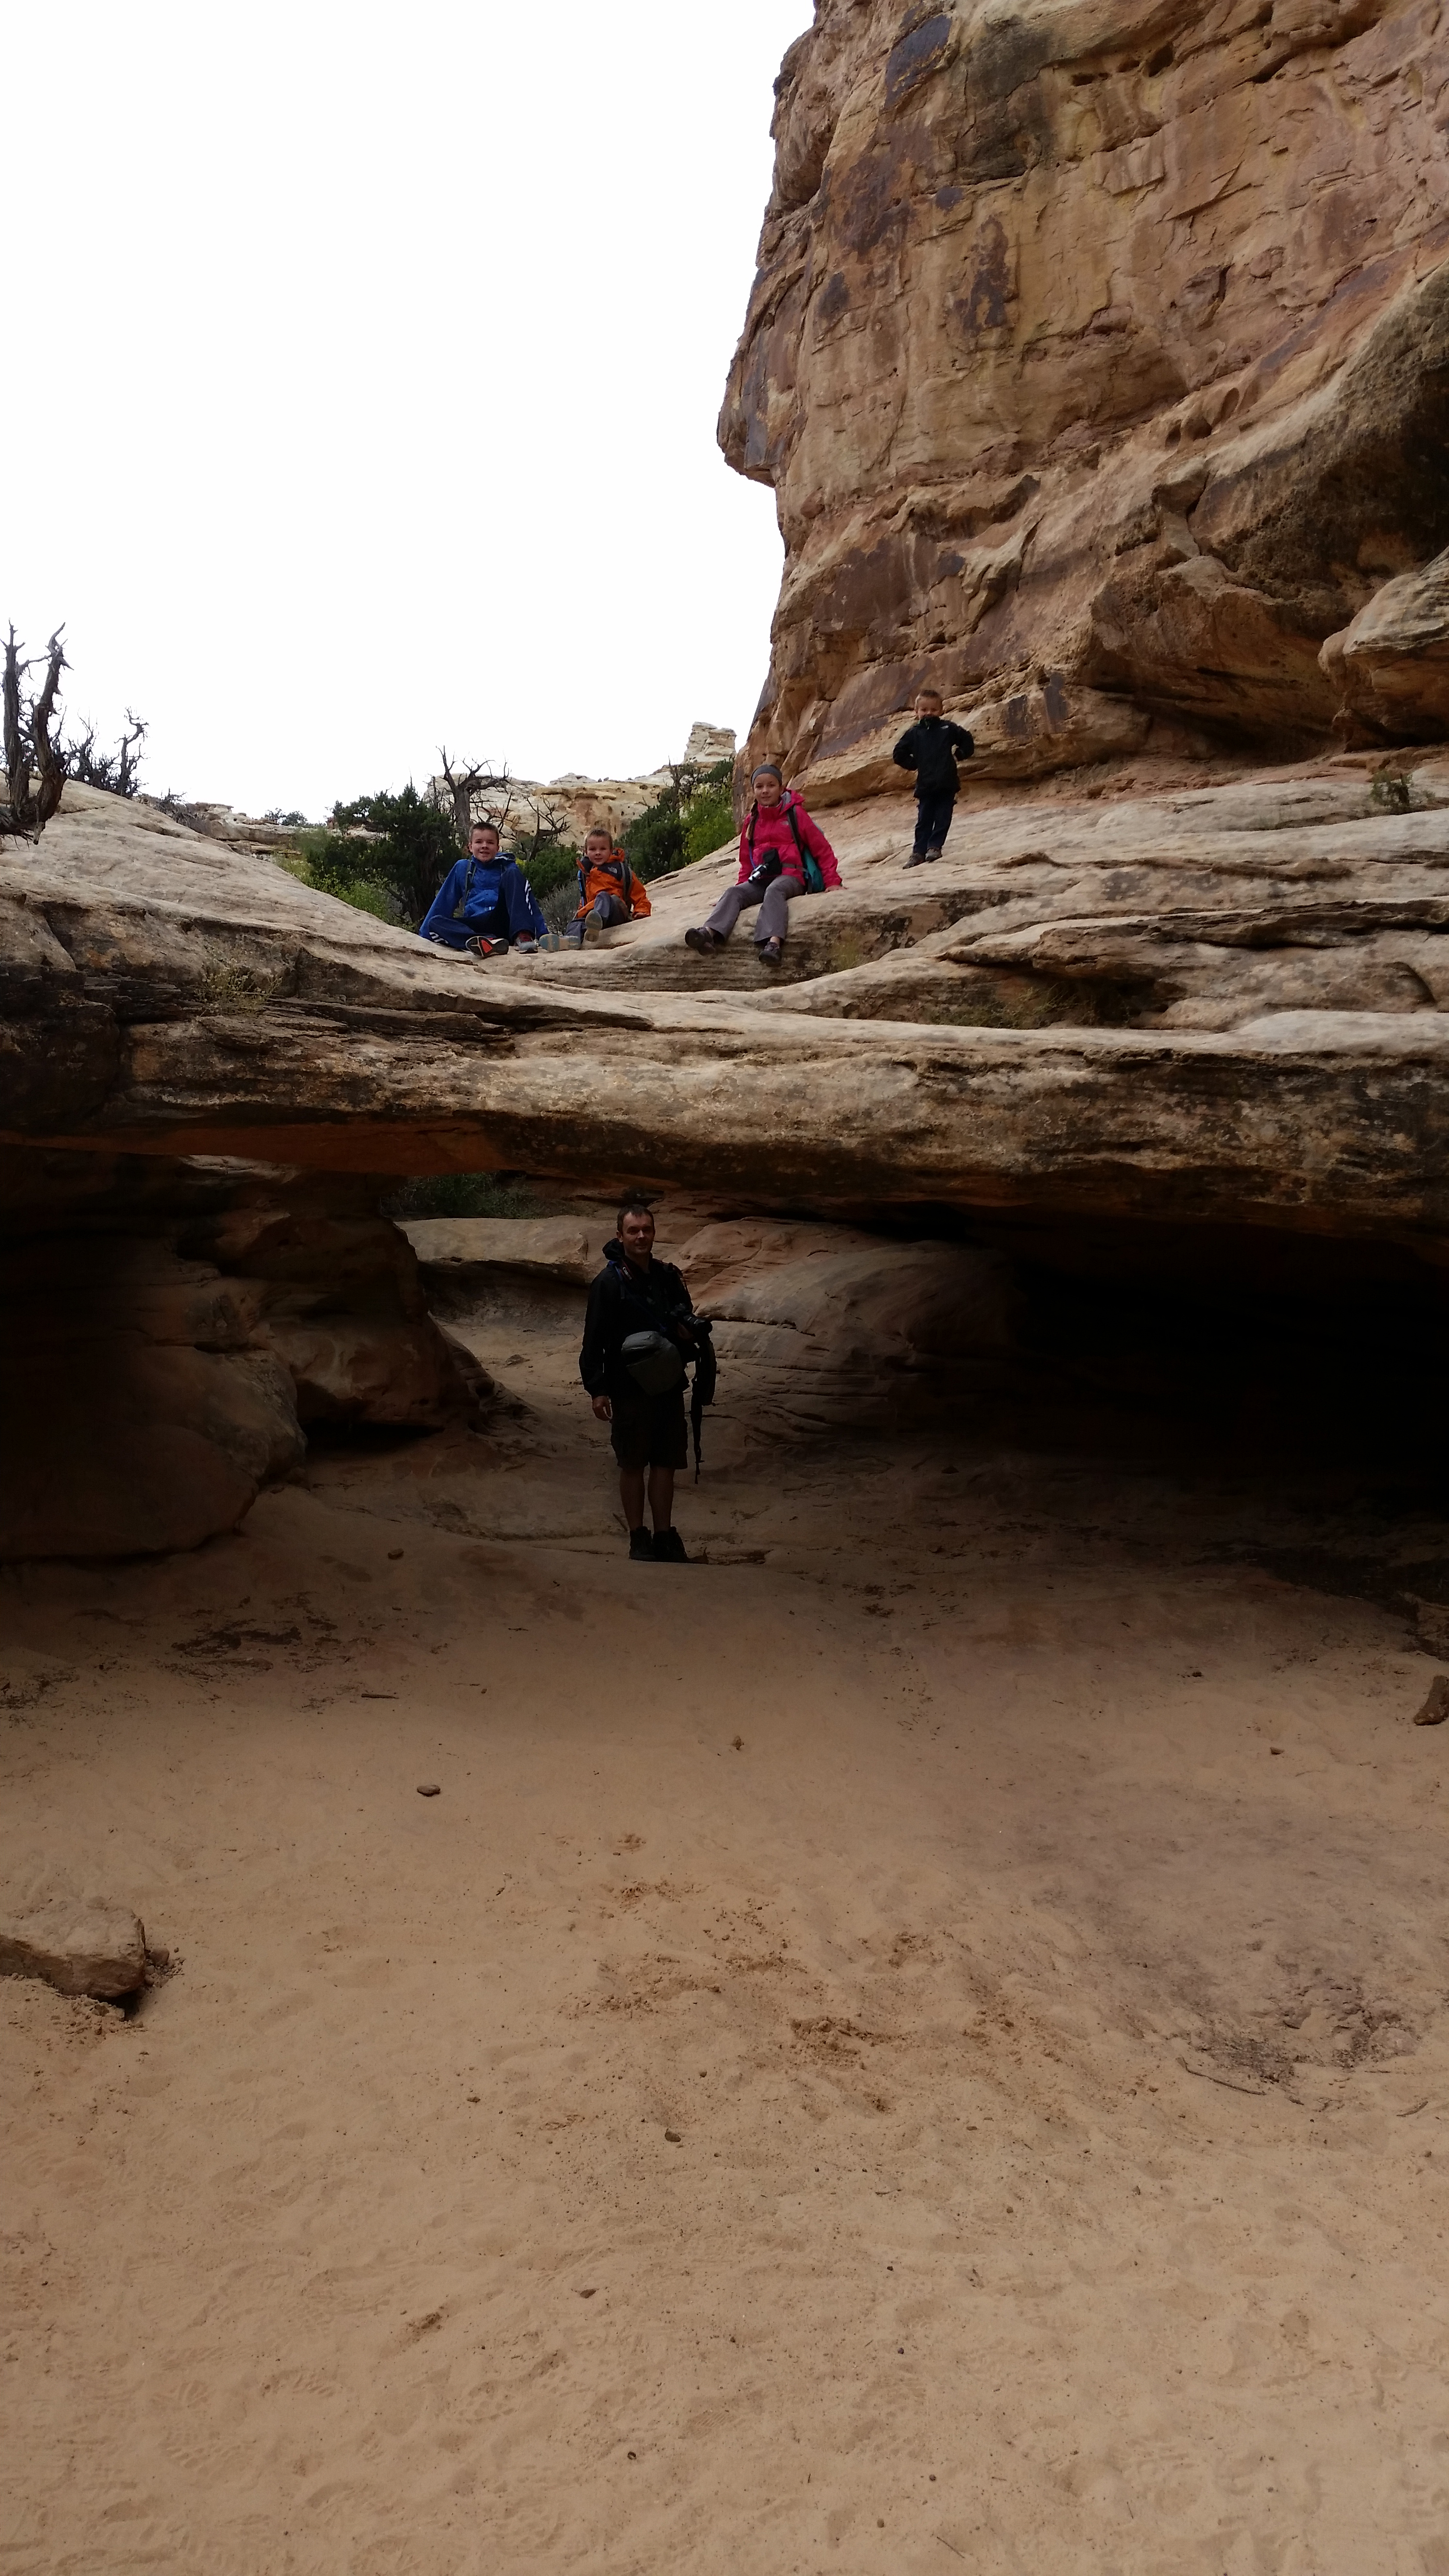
x=932 y=748
x=638 y=1333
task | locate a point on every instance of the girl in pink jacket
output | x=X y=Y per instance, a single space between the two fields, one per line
x=777 y=848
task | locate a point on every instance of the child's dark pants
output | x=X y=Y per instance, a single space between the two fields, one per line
x=933 y=822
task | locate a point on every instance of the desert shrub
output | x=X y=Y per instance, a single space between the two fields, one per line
x=560 y=905
x=688 y=818
x=709 y=819
x=463 y=1194
x=338 y=866
x=549 y=868
x=387 y=854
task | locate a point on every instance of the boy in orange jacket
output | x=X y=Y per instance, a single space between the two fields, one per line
x=609 y=891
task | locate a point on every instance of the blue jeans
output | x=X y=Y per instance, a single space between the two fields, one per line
x=611 y=911
x=933 y=821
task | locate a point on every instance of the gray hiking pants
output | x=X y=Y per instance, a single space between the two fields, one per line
x=774 y=919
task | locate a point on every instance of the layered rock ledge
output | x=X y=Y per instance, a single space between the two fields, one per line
x=1237 y=1000
x=1182 y=1025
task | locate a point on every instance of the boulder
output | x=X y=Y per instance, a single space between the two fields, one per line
x=1102 y=347
x=83 y=1945
x=1390 y=668
x=553 y=1247
x=163 y=1349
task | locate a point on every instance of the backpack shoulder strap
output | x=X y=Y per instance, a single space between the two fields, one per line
x=793 y=813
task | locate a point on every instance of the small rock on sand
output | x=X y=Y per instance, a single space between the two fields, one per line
x=1436 y=1706
x=429 y=1789
x=85 y=1945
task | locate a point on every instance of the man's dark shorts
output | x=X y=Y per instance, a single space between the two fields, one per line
x=649 y=1430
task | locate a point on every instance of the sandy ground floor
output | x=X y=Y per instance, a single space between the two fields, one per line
x=918 y=2041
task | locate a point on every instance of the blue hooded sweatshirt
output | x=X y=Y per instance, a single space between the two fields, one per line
x=483 y=899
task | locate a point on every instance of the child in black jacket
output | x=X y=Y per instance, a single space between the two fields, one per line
x=932 y=748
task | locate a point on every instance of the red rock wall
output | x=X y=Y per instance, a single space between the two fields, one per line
x=1099 y=359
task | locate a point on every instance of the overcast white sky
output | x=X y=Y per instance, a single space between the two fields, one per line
x=372 y=359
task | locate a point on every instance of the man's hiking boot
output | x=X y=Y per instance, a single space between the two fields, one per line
x=669 y=1548
x=642 y=1548
x=703 y=942
x=770 y=951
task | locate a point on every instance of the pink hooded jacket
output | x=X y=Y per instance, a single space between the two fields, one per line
x=773 y=836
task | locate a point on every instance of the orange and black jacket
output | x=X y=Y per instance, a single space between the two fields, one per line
x=611 y=876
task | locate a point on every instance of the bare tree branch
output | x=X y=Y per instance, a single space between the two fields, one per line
x=50 y=768
x=28 y=737
x=471 y=778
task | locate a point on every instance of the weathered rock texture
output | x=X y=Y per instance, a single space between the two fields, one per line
x=1099 y=359
x=1217 y=1014
x=1391 y=666
x=85 y=1945
x=173 y=1329
x=833 y=1327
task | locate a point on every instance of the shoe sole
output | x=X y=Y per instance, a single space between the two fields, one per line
x=700 y=941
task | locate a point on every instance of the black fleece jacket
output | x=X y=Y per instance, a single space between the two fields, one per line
x=623 y=1300
x=932 y=749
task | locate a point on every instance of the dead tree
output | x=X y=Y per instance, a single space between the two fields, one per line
x=470 y=778
x=32 y=752
x=117 y=771
x=546 y=826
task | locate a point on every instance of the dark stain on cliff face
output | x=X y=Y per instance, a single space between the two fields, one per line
x=916 y=52
x=871 y=590
x=834 y=301
x=990 y=287
x=1005 y=56
x=875 y=197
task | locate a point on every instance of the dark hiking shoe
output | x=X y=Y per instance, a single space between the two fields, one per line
x=703 y=942
x=769 y=951
x=918 y=858
x=669 y=1548
x=642 y=1550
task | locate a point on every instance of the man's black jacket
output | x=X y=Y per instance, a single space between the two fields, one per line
x=932 y=749
x=624 y=1300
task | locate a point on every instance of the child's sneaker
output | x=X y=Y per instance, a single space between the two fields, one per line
x=593 y=927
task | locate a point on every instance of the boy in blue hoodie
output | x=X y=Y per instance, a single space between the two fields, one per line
x=485 y=902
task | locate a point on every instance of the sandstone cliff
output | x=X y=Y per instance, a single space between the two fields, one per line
x=1188 y=1025
x=1099 y=359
